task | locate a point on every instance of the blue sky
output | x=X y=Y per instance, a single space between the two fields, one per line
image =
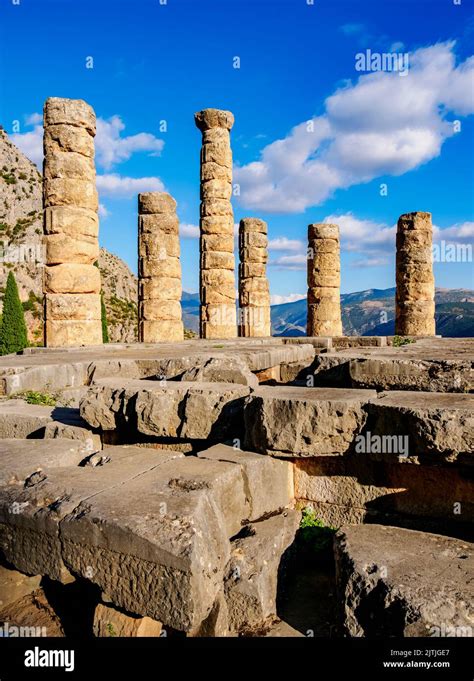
x=313 y=139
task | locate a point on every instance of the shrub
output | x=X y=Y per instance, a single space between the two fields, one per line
x=103 y=313
x=13 y=334
x=401 y=340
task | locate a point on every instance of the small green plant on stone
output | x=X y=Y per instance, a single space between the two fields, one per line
x=36 y=397
x=110 y=629
x=401 y=340
x=314 y=536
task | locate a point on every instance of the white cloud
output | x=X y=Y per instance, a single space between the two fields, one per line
x=290 y=298
x=282 y=243
x=103 y=211
x=118 y=186
x=290 y=262
x=189 y=231
x=359 y=235
x=31 y=143
x=372 y=241
x=34 y=119
x=381 y=125
x=112 y=148
x=370 y=261
x=463 y=232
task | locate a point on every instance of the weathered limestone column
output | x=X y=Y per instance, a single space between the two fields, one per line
x=324 y=281
x=159 y=269
x=254 y=292
x=218 y=317
x=71 y=226
x=414 y=302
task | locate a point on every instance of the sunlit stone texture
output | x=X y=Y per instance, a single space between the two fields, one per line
x=218 y=318
x=324 y=281
x=159 y=269
x=71 y=282
x=254 y=292
x=415 y=304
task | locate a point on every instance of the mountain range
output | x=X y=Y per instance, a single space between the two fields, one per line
x=364 y=313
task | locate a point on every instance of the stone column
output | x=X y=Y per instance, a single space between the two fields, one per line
x=414 y=302
x=254 y=293
x=71 y=281
x=324 y=281
x=159 y=269
x=218 y=317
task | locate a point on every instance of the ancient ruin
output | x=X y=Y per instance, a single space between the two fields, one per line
x=217 y=279
x=324 y=281
x=180 y=498
x=254 y=291
x=415 y=306
x=255 y=486
x=159 y=269
x=71 y=226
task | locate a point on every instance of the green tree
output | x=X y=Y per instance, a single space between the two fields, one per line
x=103 y=311
x=13 y=334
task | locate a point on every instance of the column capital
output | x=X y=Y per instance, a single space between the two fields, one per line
x=213 y=118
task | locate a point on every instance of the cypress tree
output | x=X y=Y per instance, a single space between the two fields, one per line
x=13 y=333
x=103 y=312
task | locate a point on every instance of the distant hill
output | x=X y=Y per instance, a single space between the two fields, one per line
x=372 y=313
x=364 y=313
x=21 y=232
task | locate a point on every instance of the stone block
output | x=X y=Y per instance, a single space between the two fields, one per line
x=68 y=332
x=71 y=221
x=72 y=278
x=72 y=112
x=73 y=306
x=304 y=421
x=402 y=583
x=61 y=137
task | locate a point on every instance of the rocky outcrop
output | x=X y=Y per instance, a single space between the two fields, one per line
x=21 y=231
x=120 y=289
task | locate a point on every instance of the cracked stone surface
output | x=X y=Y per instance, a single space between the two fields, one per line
x=163 y=550
x=294 y=421
x=175 y=409
x=431 y=365
x=398 y=582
